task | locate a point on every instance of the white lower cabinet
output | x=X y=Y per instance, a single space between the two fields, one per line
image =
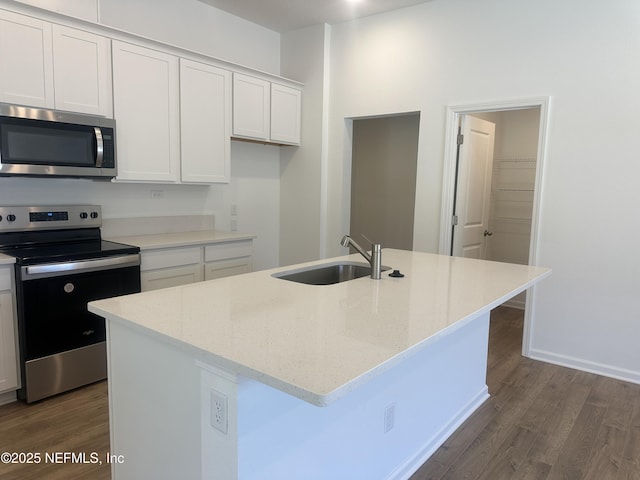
x=170 y=267
x=8 y=358
x=170 y=277
x=226 y=259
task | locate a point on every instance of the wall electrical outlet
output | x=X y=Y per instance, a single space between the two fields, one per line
x=219 y=416
x=389 y=417
x=157 y=194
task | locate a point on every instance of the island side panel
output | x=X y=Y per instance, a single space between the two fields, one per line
x=423 y=399
x=154 y=407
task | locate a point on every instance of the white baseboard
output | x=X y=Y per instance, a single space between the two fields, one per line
x=404 y=471
x=586 y=365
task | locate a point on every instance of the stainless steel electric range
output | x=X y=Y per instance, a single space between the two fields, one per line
x=62 y=263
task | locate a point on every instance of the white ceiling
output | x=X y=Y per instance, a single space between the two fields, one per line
x=287 y=15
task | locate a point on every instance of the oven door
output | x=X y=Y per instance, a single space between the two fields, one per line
x=62 y=344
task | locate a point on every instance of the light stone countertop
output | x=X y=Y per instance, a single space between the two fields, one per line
x=6 y=259
x=320 y=342
x=180 y=239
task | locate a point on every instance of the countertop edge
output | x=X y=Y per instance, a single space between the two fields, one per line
x=7 y=259
x=181 y=239
x=327 y=399
x=315 y=398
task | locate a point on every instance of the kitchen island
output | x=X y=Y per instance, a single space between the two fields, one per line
x=256 y=377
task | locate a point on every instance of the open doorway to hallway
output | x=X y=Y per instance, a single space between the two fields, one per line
x=516 y=199
x=383 y=179
x=505 y=232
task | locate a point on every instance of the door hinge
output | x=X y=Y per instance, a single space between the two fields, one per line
x=460 y=139
x=454 y=220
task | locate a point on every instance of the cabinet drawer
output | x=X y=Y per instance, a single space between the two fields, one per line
x=170 y=277
x=222 y=251
x=5 y=278
x=174 y=257
x=227 y=268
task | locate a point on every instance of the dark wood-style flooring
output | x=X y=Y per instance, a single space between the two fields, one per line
x=542 y=422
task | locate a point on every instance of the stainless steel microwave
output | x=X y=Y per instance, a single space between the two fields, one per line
x=44 y=143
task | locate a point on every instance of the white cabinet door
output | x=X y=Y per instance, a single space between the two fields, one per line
x=170 y=267
x=8 y=360
x=227 y=268
x=251 y=102
x=146 y=109
x=82 y=71
x=27 y=61
x=170 y=277
x=228 y=258
x=266 y=111
x=285 y=114
x=205 y=122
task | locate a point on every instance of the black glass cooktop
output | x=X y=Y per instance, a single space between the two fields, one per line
x=31 y=248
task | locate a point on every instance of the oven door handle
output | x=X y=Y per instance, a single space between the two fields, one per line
x=52 y=269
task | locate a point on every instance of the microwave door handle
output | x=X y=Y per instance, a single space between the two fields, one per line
x=99 y=147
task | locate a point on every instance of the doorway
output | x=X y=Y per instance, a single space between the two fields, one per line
x=383 y=179
x=511 y=167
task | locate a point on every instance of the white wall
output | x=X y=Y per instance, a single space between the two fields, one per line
x=583 y=55
x=254 y=186
x=86 y=9
x=304 y=57
x=199 y=27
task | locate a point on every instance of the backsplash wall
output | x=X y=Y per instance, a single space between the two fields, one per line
x=254 y=189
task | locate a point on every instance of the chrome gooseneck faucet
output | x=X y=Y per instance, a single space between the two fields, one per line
x=374 y=259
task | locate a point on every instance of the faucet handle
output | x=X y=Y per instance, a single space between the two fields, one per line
x=368 y=239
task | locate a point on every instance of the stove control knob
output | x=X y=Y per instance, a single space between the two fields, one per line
x=94 y=214
x=83 y=215
x=0 y=218
x=11 y=217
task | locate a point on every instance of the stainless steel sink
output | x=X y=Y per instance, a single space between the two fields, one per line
x=328 y=273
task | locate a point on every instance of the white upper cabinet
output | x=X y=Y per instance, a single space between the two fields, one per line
x=146 y=109
x=265 y=111
x=205 y=122
x=251 y=102
x=176 y=112
x=51 y=66
x=285 y=114
x=26 y=54
x=82 y=71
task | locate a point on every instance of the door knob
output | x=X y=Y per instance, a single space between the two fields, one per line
x=487 y=233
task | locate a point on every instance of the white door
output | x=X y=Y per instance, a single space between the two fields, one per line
x=473 y=192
